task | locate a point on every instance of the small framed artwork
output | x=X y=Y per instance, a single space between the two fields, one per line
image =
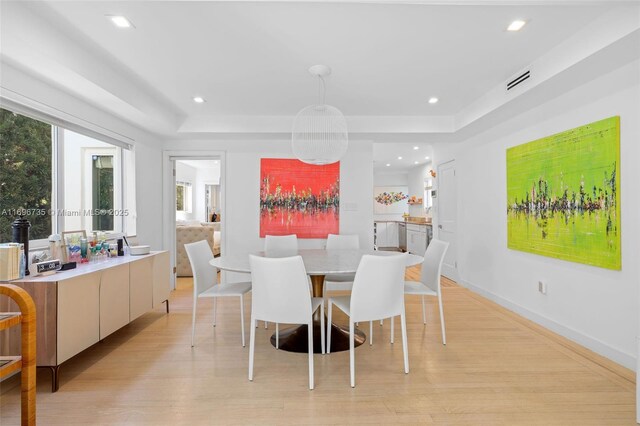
x=390 y=199
x=71 y=244
x=74 y=234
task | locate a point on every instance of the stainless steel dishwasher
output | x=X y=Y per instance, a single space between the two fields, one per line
x=402 y=236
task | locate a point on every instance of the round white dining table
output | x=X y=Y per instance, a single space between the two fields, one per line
x=318 y=263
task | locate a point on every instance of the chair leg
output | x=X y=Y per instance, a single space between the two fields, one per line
x=370 y=333
x=322 y=341
x=252 y=345
x=277 y=336
x=215 y=309
x=444 y=336
x=392 y=329
x=424 y=314
x=310 y=335
x=193 y=321
x=242 y=318
x=352 y=360
x=329 y=311
x=405 y=350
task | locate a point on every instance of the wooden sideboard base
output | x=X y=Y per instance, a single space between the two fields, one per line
x=55 y=374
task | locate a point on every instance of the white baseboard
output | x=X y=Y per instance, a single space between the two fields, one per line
x=599 y=347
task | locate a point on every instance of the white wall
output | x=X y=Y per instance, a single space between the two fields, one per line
x=148 y=153
x=417 y=175
x=185 y=173
x=241 y=181
x=595 y=307
x=389 y=179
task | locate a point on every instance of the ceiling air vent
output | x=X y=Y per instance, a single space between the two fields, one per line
x=518 y=79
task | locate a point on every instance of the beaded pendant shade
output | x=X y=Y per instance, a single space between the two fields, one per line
x=319 y=133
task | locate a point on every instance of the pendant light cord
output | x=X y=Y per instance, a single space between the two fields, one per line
x=322 y=90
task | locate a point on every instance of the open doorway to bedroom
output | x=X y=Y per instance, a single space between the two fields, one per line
x=198 y=213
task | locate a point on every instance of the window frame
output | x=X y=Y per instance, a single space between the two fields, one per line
x=57 y=203
x=186 y=197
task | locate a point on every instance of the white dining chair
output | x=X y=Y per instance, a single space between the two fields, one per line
x=281 y=295
x=429 y=284
x=283 y=244
x=377 y=293
x=342 y=282
x=338 y=282
x=205 y=279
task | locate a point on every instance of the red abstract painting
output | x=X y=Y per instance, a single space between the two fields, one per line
x=299 y=198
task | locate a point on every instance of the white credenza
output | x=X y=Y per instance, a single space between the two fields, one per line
x=77 y=308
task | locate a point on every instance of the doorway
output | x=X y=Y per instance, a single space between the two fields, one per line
x=447 y=216
x=193 y=188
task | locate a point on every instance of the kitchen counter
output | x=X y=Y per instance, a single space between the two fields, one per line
x=405 y=222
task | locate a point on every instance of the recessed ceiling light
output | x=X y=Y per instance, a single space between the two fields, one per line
x=416 y=162
x=426 y=158
x=433 y=100
x=416 y=147
x=120 y=21
x=198 y=99
x=388 y=165
x=399 y=158
x=516 y=25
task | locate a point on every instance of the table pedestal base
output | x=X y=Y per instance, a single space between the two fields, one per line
x=296 y=340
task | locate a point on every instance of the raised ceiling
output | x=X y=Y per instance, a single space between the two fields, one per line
x=250 y=59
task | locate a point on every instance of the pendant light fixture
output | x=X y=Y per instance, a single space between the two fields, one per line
x=320 y=131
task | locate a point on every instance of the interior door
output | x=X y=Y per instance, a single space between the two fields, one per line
x=447 y=215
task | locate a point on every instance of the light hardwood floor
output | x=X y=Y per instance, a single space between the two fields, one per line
x=497 y=369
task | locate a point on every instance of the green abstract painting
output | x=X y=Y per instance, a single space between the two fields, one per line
x=563 y=195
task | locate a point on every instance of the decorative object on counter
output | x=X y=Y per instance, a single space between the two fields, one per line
x=48 y=267
x=298 y=198
x=11 y=261
x=84 y=253
x=319 y=133
x=414 y=200
x=71 y=240
x=120 y=247
x=20 y=234
x=390 y=199
x=67 y=266
x=139 y=250
x=55 y=248
x=563 y=195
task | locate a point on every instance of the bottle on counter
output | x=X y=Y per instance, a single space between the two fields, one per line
x=84 y=250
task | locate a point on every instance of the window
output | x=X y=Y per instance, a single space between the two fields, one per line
x=183 y=197
x=62 y=180
x=25 y=174
x=428 y=201
x=92 y=175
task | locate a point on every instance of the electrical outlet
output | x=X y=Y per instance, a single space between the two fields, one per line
x=542 y=287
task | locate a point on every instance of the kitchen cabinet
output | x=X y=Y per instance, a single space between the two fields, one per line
x=418 y=238
x=387 y=234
